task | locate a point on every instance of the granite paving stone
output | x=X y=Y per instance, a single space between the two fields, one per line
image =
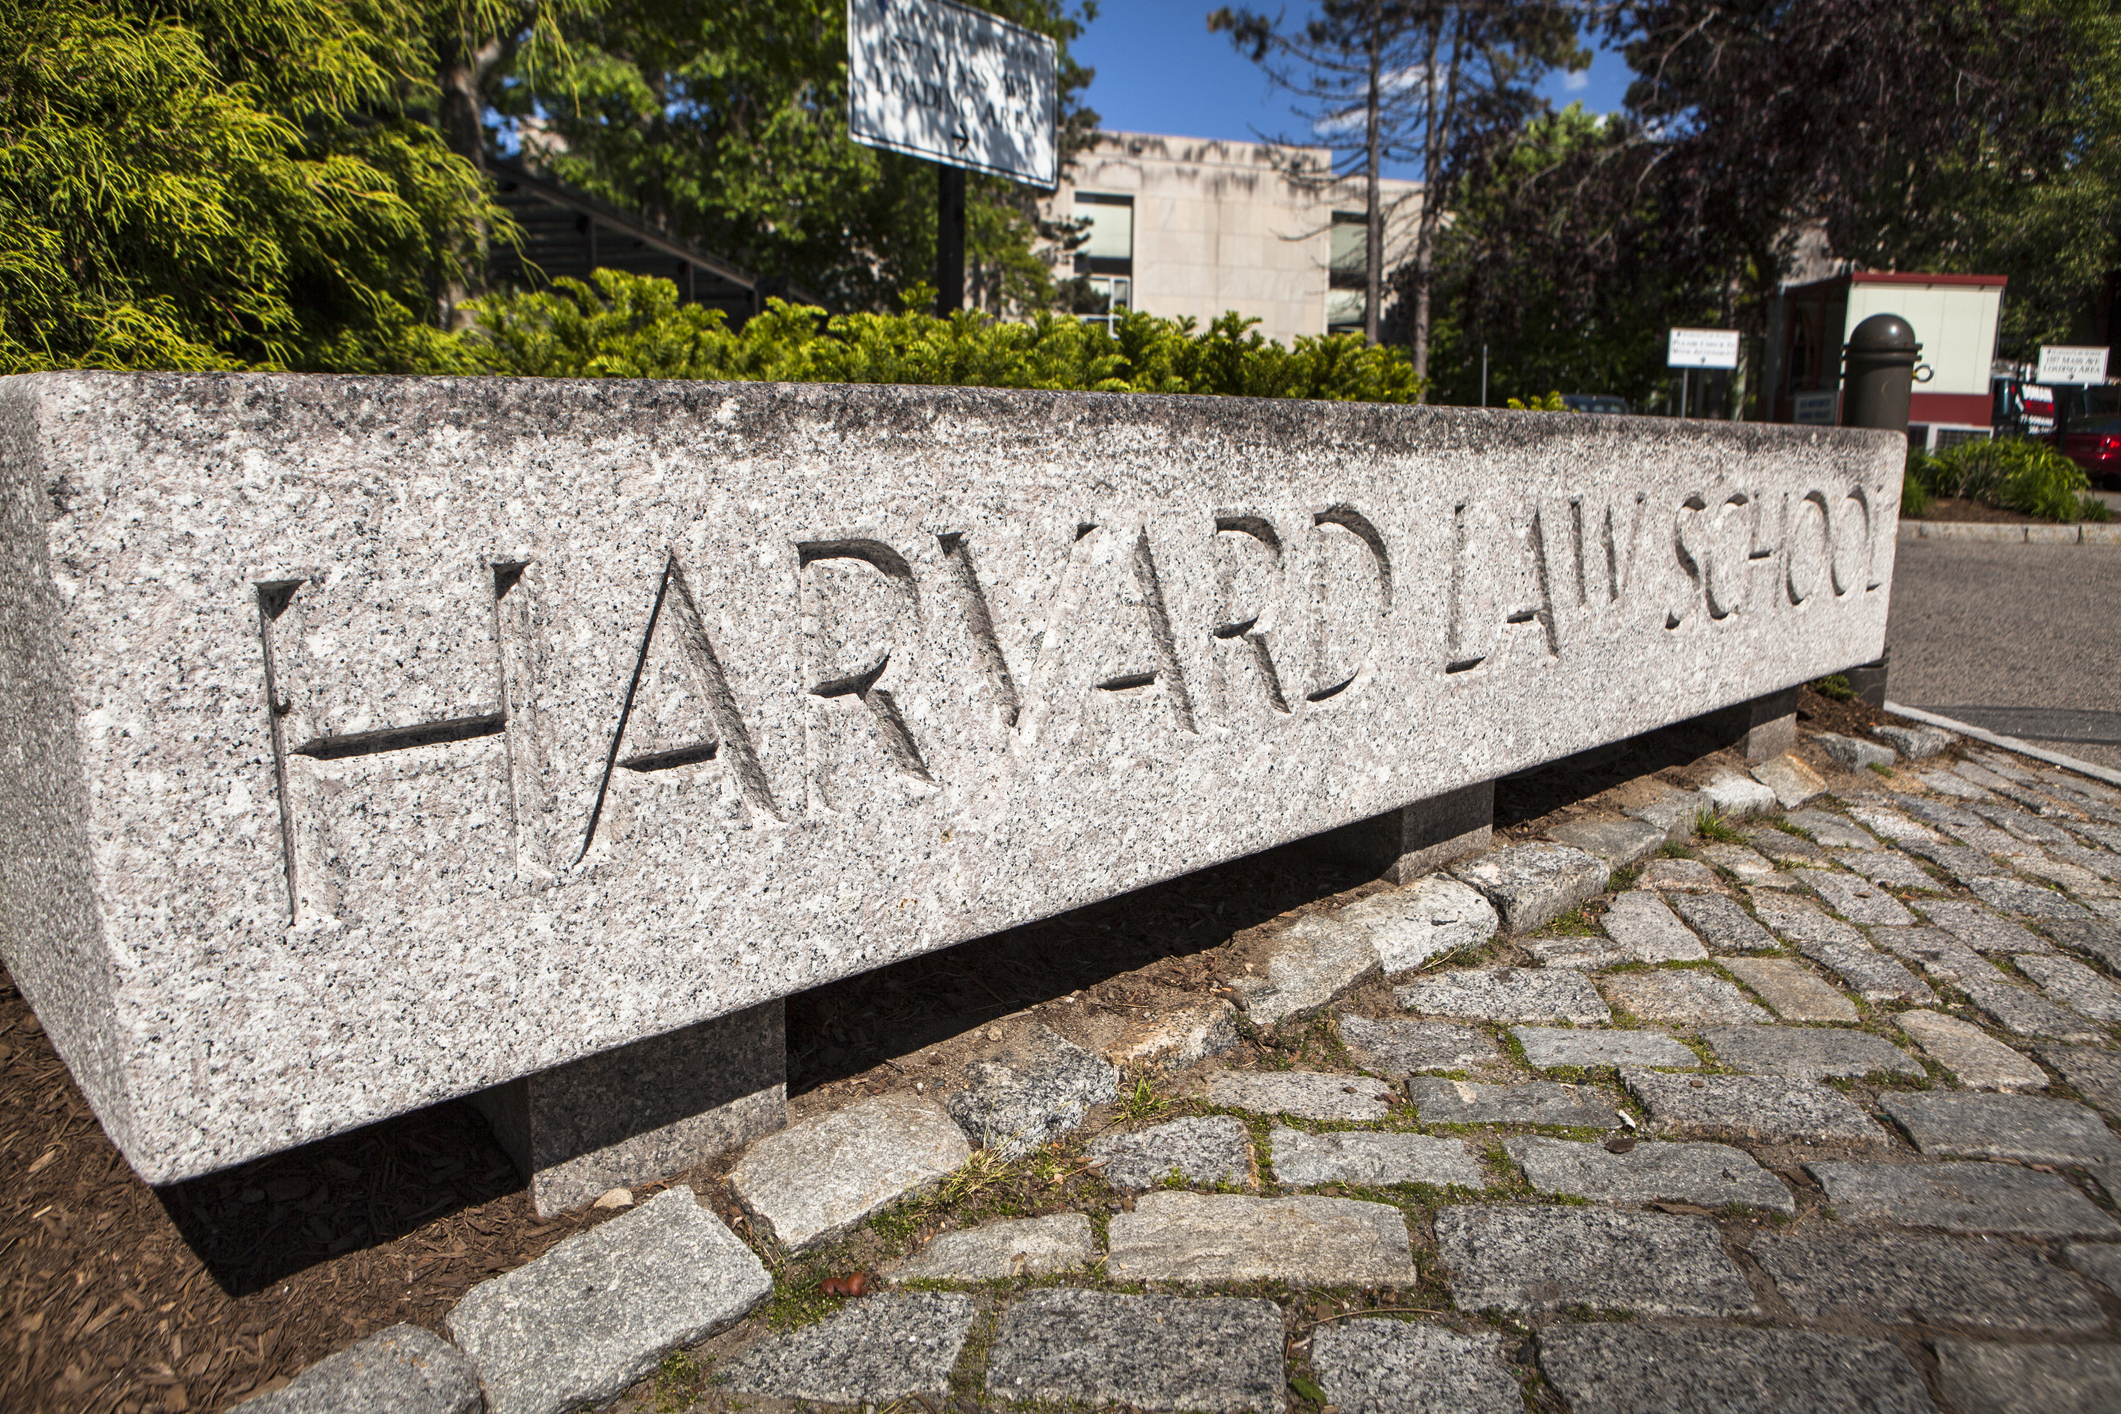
x=1311 y=1094
x=1204 y=1149
x=1169 y=1038
x=2027 y=1013
x=1915 y=743
x=2108 y=908
x=1620 y=842
x=1979 y=928
x=1582 y=951
x=401 y=1370
x=1833 y=830
x=1792 y=991
x=1941 y=814
x=1858 y=900
x=1853 y=754
x=1722 y=923
x=1644 y=928
x=1773 y=1109
x=1551 y=1047
x=2026 y=900
x=1372 y=1160
x=1430 y=918
x=1174 y=1235
x=1401 y=1367
x=1214 y=1354
x=1809 y=1052
x=1748 y=864
x=1440 y=1101
x=1901 y=1279
x=601 y=1310
x=1977 y=1059
x=1005 y=1247
x=1548 y=1259
x=2010 y=768
x=1036 y=1086
x=1711 y=1175
x=893 y=1345
x=1678 y=875
x=1507 y=994
x=1888 y=823
x=1737 y=796
x=2101 y=1261
x=2041 y=865
x=1307 y=965
x=1870 y=974
x=1887 y=869
x=2102 y=862
x=2094 y=937
x=1533 y=884
x=1961 y=863
x=1642 y=1369
x=2025 y=827
x=1983 y=1378
x=1684 y=998
x=1397 y=1046
x=817 y=1179
x=1937 y=952
x=1952 y=784
x=1960 y=1197
x=2034 y=1128
x=2072 y=984
x=1793 y=782
x=1786 y=848
x=1991 y=841
x=2092 y=1071
x=1677 y=814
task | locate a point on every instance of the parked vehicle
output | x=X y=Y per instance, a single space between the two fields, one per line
x=2090 y=433
x=1594 y=402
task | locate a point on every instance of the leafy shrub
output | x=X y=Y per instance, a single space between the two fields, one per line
x=631 y=326
x=1550 y=403
x=2015 y=473
x=1914 y=496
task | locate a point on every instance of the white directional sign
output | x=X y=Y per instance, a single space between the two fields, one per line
x=953 y=85
x=2060 y=363
x=1703 y=348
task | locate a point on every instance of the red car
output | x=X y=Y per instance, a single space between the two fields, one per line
x=2091 y=433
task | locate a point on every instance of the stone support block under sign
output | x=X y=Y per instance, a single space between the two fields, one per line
x=371 y=742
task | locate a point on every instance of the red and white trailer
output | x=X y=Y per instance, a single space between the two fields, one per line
x=1955 y=317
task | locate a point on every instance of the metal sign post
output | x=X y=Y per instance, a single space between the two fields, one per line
x=1699 y=348
x=962 y=89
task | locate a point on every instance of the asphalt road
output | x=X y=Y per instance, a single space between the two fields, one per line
x=2020 y=639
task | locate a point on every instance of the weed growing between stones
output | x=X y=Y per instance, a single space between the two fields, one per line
x=1141 y=1100
x=1710 y=826
x=678 y=1383
x=1882 y=769
x=1576 y=923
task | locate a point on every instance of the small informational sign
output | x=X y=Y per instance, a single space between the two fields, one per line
x=953 y=85
x=1703 y=348
x=1818 y=409
x=2068 y=365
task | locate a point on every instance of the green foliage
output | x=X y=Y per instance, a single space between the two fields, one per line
x=726 y=124
x=224 y=184
x=1710 y=826
x=633 y=327
x=1914 y=496
x=2014 y=473
x=1550 y=403
x=1835 y=687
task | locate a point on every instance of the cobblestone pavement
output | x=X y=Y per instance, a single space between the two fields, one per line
x=1818 y=1121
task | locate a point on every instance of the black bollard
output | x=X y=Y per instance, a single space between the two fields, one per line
x=1878 y=374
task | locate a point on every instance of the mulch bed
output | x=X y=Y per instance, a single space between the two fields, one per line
x=1954 y=508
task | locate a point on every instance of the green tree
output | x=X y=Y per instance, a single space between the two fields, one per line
x=225 y=184
x=726 y=125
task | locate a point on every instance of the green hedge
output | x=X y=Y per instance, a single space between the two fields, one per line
x=2014 y=473
x=631 y=326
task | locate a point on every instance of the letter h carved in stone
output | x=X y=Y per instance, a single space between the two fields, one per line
x=411 y=768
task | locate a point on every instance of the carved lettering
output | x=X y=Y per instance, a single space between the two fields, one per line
x=1810 y=547
x=1109 y=645
x=859 y=606
x=1352 y=596
x=1249 y=574
x=979 y=624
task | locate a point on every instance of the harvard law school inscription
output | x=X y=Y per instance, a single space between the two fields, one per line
x=393 y=738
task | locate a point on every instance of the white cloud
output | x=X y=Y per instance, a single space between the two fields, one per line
x=1576 y=82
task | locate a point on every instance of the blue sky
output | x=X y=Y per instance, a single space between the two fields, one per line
x=1160 y=71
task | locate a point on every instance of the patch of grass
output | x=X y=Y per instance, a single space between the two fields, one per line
x=678 y=1383
x=1710 y=826
x=1793 y=829
x=1835 y=687
x=1623 y=878
x=1142 y=1101
x=1576 y=923
x=1884 y=770
x=1672 y=850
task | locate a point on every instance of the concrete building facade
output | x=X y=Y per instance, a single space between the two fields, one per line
x=1200 y=226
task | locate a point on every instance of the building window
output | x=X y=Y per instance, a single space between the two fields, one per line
x=1105 y=261
x=1347 y=272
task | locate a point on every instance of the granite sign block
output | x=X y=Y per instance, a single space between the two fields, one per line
x=371 y=742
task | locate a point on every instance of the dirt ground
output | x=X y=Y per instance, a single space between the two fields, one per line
x=123 y=1298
